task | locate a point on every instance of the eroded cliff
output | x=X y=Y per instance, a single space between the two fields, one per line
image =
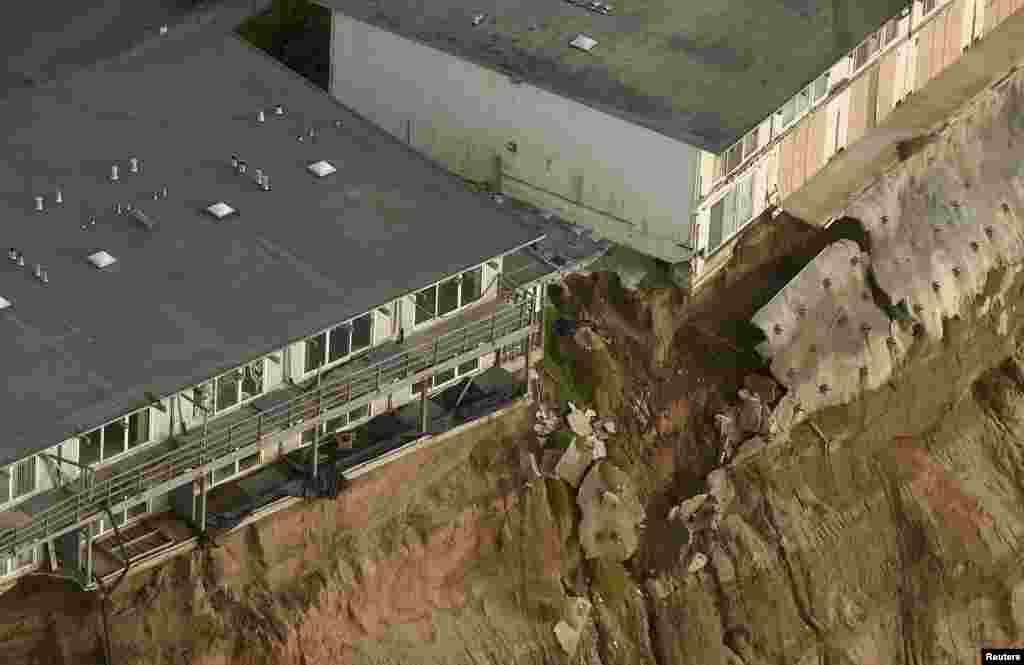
x=879 y=522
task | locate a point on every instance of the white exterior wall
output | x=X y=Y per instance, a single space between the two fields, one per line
x=591 y=167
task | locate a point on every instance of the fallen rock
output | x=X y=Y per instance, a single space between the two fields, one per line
x=751 y=416
x=577 y=611
x=573 y=464
x=721 y=487
x=697 y=563
x=750 y=447
x=549 y=462
x=609 y=426
x=611 y=511
x=688 y=508
x=579 y=423
x=724 y=567
x=568 y=638
x=528 y=466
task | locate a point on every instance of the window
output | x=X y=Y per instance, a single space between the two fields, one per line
x=339 y=342
x=786 y=113
x=744 y=200
x=5 y=484
x=114 y=438
x=866 y=49
x=929 y=5
x=12 y=564
x=447 y=376
x=803 y=101
x=232 y=469
x=231 y=388
x=749 y=144
x=337 y=423
x=449 y=296
x=733 y=157
x=715 y=226
x=821 y=86
x=889 y=31
x=25 y=477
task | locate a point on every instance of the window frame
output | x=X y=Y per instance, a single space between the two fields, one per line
x=463 y=303
x=211 y=390
x=328 y=335
x=10 y=473
x=236 y=467
x=436 y=387
x=306 y=438
x=128 y=448
x=9 y=566
x=125 y=520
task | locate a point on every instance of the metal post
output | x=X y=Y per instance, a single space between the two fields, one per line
x=88 y=553
x=316 y=429
x=259 y=427
x=423 y=406
x=202 y=479
x=497 y=349
x=380 y=370
x=204 y=488
x=433 y=364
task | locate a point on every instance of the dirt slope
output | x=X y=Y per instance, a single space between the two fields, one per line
x=886 y=529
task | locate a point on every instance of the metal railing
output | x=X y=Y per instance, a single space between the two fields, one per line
x=197 y=457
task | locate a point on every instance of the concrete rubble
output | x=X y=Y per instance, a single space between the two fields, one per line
x=697 y=563
x=568 y=630
x=612 y=513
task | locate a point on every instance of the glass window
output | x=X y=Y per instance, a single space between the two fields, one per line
x=471 y=366
x=334 y=424
x=715 y=226
x=444 y=377
x=472 y=287
x=803 y=100
x=138 y=428
x=252 y=380
x=340 y=342
x=788 y=112
x=821 y=86
x=114 y=436
x=316 y=352
x=448 y=296
x=749 y=144
x=25 y=558
x=426 y=305
x=89 y=447
x=362 y=332
x=5 y=484
x=25 y=477
x=419 y=386
x=228 y=387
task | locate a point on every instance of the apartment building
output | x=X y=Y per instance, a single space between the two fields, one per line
x=850 y=123
x=212 y=269
x=600 y=112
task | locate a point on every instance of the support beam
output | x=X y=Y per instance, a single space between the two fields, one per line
x=204 y=485
x=316 y=429
x=423 y=406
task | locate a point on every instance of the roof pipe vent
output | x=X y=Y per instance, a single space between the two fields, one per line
x=60 y=197
x=278 y=110
x=114 y=177
x=44 y=277
x=21 y=260
x=266 y=183
x=133 y=165
x=261 y=117
x=12 y=255
x=38 y=271
x=39 y=204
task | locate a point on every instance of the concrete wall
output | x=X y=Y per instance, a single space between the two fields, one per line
x=594 y=169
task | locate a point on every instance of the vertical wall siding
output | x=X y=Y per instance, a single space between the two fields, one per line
x=858 y=110
x=923 y=50
x=888 y=71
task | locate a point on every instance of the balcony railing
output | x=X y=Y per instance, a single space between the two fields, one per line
x=219 y=444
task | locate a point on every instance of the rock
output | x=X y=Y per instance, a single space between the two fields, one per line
x=730 y=657
x=611 y=511
x=723 y=564
x=751 y=417
x=573 y=464
x=609 y=426
x=528 y=466
x=549 y=461
x=577 y=611
x=579 y=423
x=750 y=447
x=568 y=638
x=721 y=487
x=688 y=508
x=697 y=563
x=600 y=451
x=764 y=387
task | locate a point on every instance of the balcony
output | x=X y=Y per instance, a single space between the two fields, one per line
x=185 y=458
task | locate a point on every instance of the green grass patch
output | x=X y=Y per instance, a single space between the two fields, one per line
x=559 y=440
x=561 y=368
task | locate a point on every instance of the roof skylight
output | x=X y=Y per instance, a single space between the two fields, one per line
x=583 y=43
x=102 y=259
x=220 y=210
x=321 y=168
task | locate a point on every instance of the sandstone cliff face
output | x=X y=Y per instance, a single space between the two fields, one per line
x=881 y=525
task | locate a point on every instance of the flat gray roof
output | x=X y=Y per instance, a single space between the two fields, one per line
x=196 y=296
x=700 y=72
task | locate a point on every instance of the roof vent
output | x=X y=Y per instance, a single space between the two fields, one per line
x=220 y=210
x=102 y=259
x=583 y=43
x=4 y=303
x=321 y=168
x=143 y=219
x=478 y=19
